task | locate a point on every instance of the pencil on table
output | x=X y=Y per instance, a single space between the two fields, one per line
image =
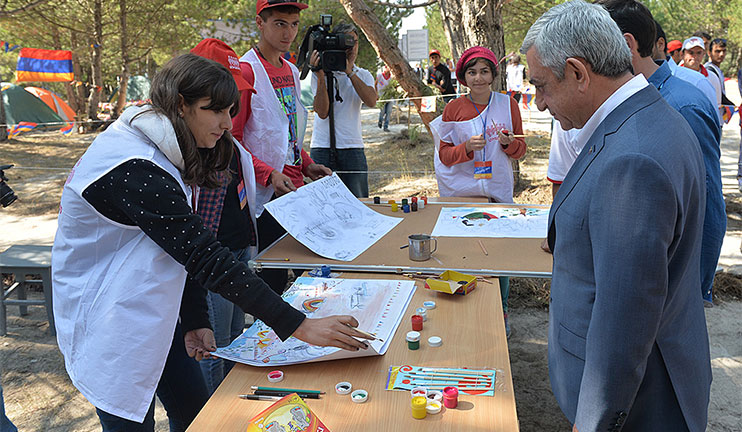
x=483 y=248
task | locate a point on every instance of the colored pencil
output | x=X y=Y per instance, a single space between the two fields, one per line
x=285 y=393
x=272 y=259
x=260 y=397
x=290 y=390
x=482 y=246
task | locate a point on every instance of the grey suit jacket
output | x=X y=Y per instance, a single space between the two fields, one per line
x=628 y=345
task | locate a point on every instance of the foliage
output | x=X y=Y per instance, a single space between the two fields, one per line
x=436 y=35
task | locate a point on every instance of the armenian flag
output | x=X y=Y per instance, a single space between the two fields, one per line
x=67 y=129
x=7 y=46
x=36 y=64
x=20 y=127
x=727 y=111
x=527 y=98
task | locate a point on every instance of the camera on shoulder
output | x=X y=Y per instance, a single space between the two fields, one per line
x=330 y=46
x=7 y=196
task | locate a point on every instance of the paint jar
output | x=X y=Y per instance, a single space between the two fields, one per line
x=425 y=199
x=377 y=200
x=417 y=323
x=421 y=204
x=414 y=199
x=419 y=404
x=395 y=207
x=422 y=312
x=404 y=201
x=450 y=397
x=406 y=208
x=413 y=206
x=413 y=340
x=419 y=391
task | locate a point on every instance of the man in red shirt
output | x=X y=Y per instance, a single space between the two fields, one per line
x=271 y=122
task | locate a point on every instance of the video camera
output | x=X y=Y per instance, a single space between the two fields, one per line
x=331 y=47
x=7 y=196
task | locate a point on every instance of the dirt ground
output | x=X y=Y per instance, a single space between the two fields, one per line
x=40 y=397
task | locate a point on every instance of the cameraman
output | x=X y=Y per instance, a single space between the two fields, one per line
x=353 y=87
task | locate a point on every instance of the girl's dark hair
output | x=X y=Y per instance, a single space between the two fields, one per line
x=488 y=62
x=193 y=77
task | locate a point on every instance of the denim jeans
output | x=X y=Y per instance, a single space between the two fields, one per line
x=5 y=424
x=353 y=159
x=384 y=114
x=181 y=390
x=228 y=322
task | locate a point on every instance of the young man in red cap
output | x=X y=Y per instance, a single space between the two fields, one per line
x=675 y=48
x=271 y=122
x=440 y=76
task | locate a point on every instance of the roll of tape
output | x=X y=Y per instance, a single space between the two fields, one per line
x=343 y=388
x=275 y=376
x=359 y=396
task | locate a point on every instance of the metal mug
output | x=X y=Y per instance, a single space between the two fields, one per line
x=419 y=245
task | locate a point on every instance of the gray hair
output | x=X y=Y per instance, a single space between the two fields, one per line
x=344 y=27
x=579 y=29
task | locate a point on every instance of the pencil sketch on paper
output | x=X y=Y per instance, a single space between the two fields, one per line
x=492 y=222
x=378 y=305
x=325 y=217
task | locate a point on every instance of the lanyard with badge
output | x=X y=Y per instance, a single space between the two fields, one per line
x=241 y=191
x=483 y=168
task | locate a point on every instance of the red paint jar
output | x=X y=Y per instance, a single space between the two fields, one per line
x=417 y=322
x=450 y=397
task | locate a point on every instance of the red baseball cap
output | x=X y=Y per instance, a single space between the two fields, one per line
x=263 y=4
x=220 y=52
x=434 y=52
x=674 y=45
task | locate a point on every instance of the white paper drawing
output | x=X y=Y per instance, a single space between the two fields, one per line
x=378 y=305
x=492 y=222
x=325 y=217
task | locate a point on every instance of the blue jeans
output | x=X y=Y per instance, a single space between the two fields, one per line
x=384 y=114
x=228 y=322
x=5 y=424
x=181 y=390
x=353 y=159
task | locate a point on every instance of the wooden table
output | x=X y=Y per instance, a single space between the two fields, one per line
x=473 y=336
x=520 y=257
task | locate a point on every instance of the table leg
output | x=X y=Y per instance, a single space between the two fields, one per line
x=46 y=280
x=22 y=293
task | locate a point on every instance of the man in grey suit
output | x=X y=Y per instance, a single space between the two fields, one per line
x=628 y=347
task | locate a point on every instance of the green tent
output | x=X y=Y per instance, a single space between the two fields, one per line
x=21 y=105
x=136 y=90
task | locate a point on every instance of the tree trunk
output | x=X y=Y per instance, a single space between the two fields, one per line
x=475 y=22
x=96 y=63
x=386 y=49
x=3 y=126
x=124 y=77
x=76 y=91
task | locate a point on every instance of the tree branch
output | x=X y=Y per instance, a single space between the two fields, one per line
x=399 y=6
x=26 y=8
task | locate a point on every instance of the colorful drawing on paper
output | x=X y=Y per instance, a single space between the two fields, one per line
x=290 y=414
x=492 y=222
x=475 y=382
x=325 y=217
x=378 y=305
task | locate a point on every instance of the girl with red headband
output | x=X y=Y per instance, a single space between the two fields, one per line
x=474 y=139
